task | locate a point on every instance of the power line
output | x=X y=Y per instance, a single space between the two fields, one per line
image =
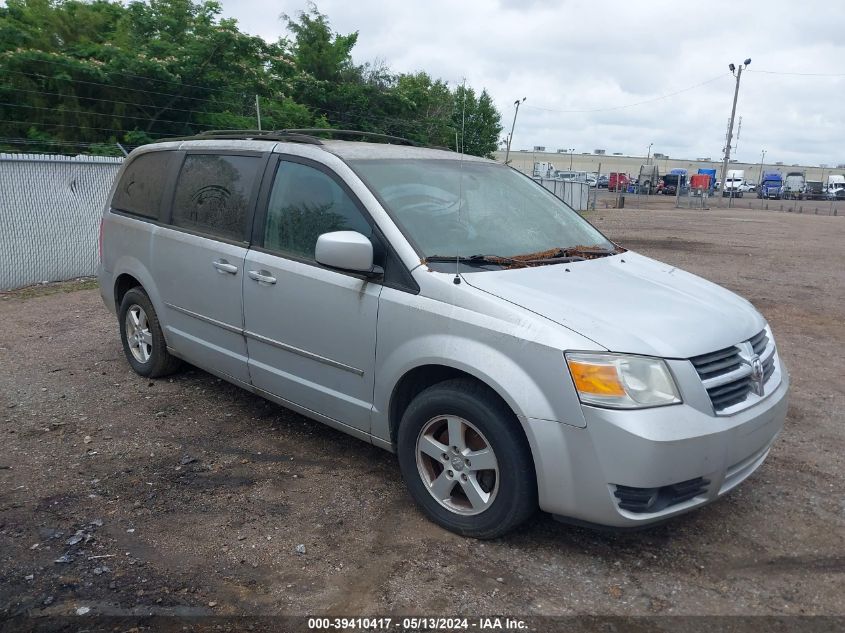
x=115 y=87
x=124 y=74
x=313 y=109
x=778 y=72
x=31 y=141
x=638 y=103
x=242 y=105
x=119 y=116
x=139 y=106
x=84 y=127
x=416 y=125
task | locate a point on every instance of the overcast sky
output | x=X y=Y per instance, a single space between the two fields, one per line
x=593 y=55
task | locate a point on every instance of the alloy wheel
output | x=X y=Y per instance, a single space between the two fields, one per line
x=457 y=464
x=138 y=334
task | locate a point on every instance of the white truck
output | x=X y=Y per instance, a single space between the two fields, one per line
x=835 y=187
x=543 y=169
x=648 y=179
x=735 y=184
x=793 y=185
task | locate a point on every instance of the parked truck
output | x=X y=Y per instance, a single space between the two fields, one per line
x=771 y=186
x=712 y=174
x=618 y=181
x=674 y=179
x=835 y=187
x=648 y=179
x=734 y=185
x=814 y=190
x=543 y=169
x=793 y=186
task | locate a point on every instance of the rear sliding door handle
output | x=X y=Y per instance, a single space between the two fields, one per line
x=225 y=267
x=262 y=277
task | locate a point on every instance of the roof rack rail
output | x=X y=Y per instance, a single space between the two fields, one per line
x=258 y=135
x=297 y=135
x=332 y=131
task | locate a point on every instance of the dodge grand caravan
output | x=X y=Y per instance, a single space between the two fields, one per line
x=449 y=309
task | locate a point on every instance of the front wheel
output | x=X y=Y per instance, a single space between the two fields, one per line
x=466 y=461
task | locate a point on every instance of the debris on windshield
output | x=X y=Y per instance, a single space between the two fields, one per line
x=540 y=258
x=569 y=254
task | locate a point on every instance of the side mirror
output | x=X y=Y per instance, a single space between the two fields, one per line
x=346 y=250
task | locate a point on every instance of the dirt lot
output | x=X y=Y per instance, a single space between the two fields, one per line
x=190 y=496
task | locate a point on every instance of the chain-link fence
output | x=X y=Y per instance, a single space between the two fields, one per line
x=573 y=192
x=821 y=205
x=50 y=209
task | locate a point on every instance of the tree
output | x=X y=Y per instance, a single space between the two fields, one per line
x=87 y=74
x=478 y=120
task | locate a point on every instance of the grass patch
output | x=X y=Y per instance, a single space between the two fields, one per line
x=55 y=287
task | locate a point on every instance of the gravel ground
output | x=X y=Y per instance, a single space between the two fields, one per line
x=189 y=496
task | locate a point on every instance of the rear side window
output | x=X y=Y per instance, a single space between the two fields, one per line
x=213 y=194
x=304 y=204
x=142 y=184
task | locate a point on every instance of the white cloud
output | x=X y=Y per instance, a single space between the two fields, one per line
x=581 y=55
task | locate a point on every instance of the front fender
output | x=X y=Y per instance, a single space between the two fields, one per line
x=530 y=376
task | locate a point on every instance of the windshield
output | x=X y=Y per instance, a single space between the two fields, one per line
x=502 y=212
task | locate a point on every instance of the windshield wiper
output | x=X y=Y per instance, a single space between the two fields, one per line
x=477 y=259
x=540 y=258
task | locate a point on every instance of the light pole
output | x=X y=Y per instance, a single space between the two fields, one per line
x=760 y=179
x=571 y=152
x=648 y=156
x=737 y=72
x=513 y=125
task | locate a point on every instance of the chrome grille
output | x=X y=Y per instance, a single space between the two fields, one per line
x=717 y=363
x=759 y=343
x=727 y=373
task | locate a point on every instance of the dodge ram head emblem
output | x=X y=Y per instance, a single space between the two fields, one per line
x=756 y=374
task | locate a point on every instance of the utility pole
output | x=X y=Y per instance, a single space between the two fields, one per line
x=513 y=125
x=738 y=74
x=760 y=179
x=648 y=156
x=258 y=112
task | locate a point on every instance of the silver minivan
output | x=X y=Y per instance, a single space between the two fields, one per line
x=451 y=310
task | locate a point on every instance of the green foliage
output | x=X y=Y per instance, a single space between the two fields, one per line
x=479 y=119
x=77 y=74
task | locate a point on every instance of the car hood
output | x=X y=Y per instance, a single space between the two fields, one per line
x=629 y=303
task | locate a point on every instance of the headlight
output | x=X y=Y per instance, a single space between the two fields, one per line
x=620 y=381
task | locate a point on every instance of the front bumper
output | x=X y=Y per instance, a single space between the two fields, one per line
x=578 y=469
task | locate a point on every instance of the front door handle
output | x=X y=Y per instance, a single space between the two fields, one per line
x=225 y=267
x=262 y=277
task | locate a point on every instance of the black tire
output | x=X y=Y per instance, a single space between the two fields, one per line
x=515 y=497
x=159 y=362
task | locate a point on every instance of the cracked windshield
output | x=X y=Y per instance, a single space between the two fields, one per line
x=479 y=210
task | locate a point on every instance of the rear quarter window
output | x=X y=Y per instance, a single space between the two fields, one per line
x=142 y=184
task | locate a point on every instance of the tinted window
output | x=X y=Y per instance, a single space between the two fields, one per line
x=304 y=204
x=142 y=184
x=213 y=194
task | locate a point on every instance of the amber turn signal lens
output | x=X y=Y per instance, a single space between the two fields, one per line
x=597 y=379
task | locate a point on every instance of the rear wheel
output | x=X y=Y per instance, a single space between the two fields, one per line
x=466 y=461
x=143 y=340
